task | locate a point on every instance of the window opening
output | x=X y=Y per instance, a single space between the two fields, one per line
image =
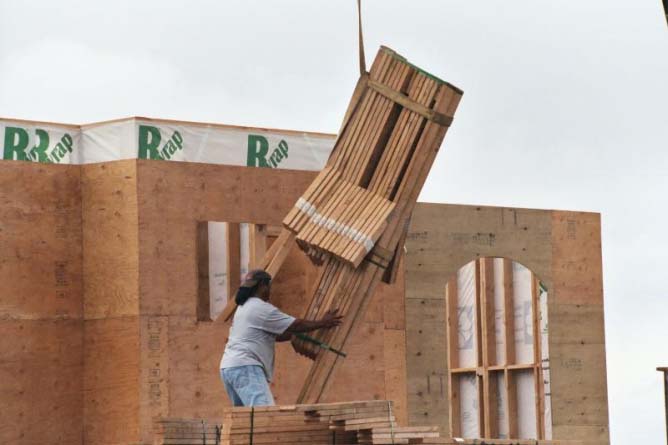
x=498 y=352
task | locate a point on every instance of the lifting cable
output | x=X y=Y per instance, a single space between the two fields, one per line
x=361 y=39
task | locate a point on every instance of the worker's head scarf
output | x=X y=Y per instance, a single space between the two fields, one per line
x=250 y=284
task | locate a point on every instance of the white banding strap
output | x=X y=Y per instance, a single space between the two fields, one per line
x=305 y=206
x=331 y=224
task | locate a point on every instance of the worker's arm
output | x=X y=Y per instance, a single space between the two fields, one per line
x=329 y=320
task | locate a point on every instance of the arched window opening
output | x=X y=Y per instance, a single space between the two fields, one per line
x=498 y=356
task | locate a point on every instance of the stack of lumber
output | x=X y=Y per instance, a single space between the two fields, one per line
x=375 y=161
x=347 y=423
x=187 y=432
x=397 y=435
x=353 y=217
x=337 y=217
x=369 y=422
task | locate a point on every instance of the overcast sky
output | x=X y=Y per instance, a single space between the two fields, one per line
x=565 y=107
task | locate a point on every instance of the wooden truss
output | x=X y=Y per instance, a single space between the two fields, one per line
x=353 y=218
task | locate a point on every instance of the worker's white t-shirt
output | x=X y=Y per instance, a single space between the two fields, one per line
x=253 y=335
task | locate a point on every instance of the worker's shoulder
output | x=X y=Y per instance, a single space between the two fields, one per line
x=258 y=304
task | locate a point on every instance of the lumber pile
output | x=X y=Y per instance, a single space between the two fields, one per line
x=366 y=422
x=376 y=161
x=347 y=423
x=354 y=216
x=187 y=432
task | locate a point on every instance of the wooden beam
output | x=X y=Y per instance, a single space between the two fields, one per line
x=488 y=345
x=274 y=258
x=482 y=414
x=258 y=244
x=233 y=236
x=203 y=295
x=538 y=359
x=510 y=386
x=479 y=345
x=509 y=310
x=453 y=355
x=488 y=316
x=477 y=310
x=511 y=403
x=271 y=262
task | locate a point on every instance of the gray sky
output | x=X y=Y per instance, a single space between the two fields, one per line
x=565 y=106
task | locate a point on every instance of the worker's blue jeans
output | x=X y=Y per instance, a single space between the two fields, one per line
x=247 y=386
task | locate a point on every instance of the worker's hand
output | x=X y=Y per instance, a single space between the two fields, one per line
x=331 y=319
x=302 y=348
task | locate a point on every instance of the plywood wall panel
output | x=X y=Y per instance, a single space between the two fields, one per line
x=577 y=324
x=110 y=239
x=195 y=348
x=219 y=193
x=588 y=434
x=40 y=241
x=394 y=352
x=579 y=393
x=577 y=349
x=426 y=362
x=41 y=379
x=41 y=353
x=362 y=375
x=444 y=237
x=392 y=298
x=111 y=380
x=154 y=373
x=168 y=278
x=576 y=248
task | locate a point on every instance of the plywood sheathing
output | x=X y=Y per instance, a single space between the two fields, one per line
x=41 y=397
x=145 y=353
x=577 y=343
x=41 y=370
x=111 y=302
x=40 y=241
x=110 y=239
x=111 y=380
x=563 y=249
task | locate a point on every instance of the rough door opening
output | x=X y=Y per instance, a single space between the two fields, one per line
x=498 y=352
x=225 y=252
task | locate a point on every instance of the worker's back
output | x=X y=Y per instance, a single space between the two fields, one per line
x=253 y=334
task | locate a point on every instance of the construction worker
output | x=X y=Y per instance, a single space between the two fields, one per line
x=247 y=365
